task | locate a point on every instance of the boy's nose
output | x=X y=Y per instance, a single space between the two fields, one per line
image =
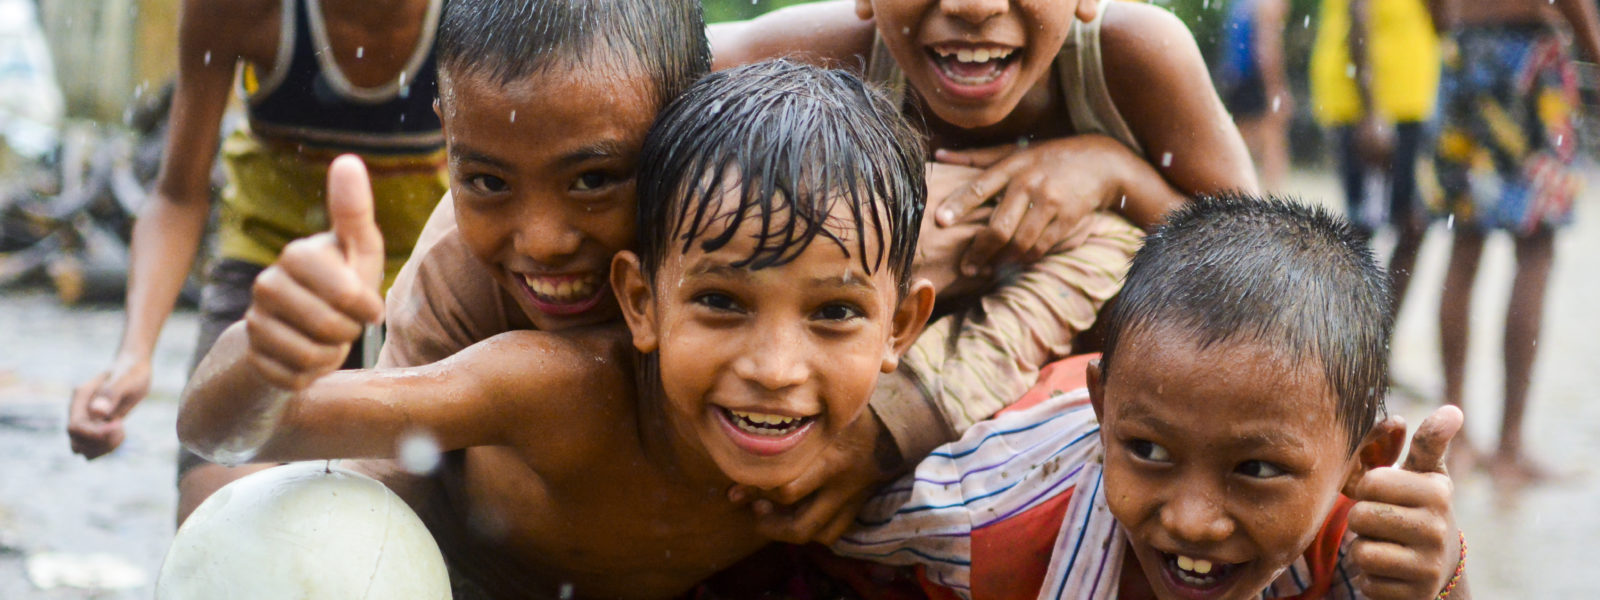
x=1196 y=518
x=546 y=237
x=975 y=11
x=773 y=359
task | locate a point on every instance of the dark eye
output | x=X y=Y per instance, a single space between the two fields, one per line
x=1148 y=450
x=716 y=301
x=1258 y=469
x=838 y=312
x=591 y=181
x=486 y=184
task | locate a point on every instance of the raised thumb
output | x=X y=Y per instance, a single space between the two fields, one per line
x=350 y=210
x=1432 y=440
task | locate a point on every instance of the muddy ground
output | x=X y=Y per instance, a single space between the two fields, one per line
x=1525 y=543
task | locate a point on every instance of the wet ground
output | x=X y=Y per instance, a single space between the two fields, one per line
x=113 y=517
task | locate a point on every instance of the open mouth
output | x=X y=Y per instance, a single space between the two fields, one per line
x=764 y=434
x=973 y=70
x=564 y=294
x=1198 y=578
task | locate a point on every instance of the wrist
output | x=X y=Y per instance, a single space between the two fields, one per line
x=1461 y=568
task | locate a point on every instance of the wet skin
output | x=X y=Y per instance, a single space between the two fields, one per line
x=929 y=39
x=1229 y=454
x=763 y=369
x=545 y=218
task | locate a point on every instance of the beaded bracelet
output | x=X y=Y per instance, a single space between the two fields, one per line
x=1461 y=567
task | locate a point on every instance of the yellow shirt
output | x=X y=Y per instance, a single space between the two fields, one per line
x=1402 y=51
x=275 y=195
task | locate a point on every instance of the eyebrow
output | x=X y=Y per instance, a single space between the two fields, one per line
x=707 y=266
x=469 y=154
x=598 y=150
x=1267 y=438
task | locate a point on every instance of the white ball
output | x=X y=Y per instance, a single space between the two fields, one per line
x=303 y=531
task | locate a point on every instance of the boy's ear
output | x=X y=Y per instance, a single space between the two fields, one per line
x=1381 y=448
x=637 y=299
x=864 y=9
x=1096 y=376
x=910 y=316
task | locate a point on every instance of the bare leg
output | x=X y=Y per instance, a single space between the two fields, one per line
x=1523 y=319
x=1455 y=312
x=1403 y=261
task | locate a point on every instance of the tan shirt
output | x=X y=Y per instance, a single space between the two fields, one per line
x=966 y=366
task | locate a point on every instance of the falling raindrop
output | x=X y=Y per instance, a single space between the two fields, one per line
x=1166 y=159
x=419 y=453
x=208 y=57
x=566 y=588
x=1306 y=24
x=360 y=50
x=513 y=116
x=1349 y=69
x=1277 y=101
x=1450 y=222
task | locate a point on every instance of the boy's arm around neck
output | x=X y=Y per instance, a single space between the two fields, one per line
x=513 y=389
x=824 y=33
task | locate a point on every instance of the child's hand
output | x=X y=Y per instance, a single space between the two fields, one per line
x=1406 y=542
x=1048 y=188
x=822 y=503
x=307 y=308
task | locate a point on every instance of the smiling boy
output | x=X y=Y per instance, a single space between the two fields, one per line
x=1113 y=113
x=1227 y=444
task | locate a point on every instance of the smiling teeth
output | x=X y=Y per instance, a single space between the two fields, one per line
x=1196 y=565
x=764 y=424
x=563 y=291
x=971 y=55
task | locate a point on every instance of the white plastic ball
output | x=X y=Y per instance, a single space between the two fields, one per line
x=303 y=531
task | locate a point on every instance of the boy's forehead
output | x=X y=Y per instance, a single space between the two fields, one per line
x=558 y=79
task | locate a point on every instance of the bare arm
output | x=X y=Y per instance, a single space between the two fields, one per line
x=512 y=389
x=824 y=33
x=1581 y=17
x=1160 y=84
x=166 y=234
x=1268 y=44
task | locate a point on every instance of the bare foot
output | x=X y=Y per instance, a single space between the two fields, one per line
x=1518 y=469
x=1462 y=458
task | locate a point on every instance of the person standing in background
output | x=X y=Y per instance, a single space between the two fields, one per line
x=1374 y=80
x=1504 y=162
x=1254 y=84
x=319 y=79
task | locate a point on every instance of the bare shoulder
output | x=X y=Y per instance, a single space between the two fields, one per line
x=234 y=27
x=1143 y=39
x=825 y=33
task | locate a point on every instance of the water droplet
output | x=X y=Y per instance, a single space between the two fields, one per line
x=208 y=57
x=513 y=116
x=566 y=588
x=1450 y=222
x=402 y=79
x=1350 y=70
x=402 y=117
x=361 y=51
x=1277 y=102
x=1306 y=24
x=419 y=453
x=1166 y=159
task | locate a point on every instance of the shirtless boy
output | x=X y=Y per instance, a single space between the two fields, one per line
x=1228 y=443
x=758 y=377
x=1018 y=87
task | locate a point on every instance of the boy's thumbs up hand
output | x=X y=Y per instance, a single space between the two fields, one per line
x=1407 y=544
x=307 y=308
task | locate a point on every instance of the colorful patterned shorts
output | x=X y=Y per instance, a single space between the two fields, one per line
x=1508 y=101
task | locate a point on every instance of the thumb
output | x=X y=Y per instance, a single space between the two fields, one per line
x=1432 y=439
x=1087 y=9
x=350 y=210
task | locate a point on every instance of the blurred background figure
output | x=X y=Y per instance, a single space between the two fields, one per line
x=1374 y=80
x=318 y=80
x=1504 y=161
x=1254 y=83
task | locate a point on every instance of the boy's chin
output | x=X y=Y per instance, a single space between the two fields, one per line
x=766 y=473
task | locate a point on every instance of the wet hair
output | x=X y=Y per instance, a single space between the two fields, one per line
x=510 y=40
x=794 y=143
x=1275 y=272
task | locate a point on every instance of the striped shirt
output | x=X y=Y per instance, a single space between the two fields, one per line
x=1016 y=509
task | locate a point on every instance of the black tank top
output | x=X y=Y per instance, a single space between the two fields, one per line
x=307 y=100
